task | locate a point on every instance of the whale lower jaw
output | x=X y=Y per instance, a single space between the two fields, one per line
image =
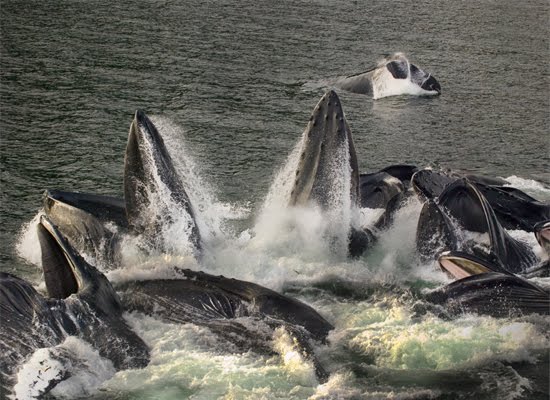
x=461 y=265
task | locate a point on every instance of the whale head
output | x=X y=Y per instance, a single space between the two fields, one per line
x=326 y=140
x=67 y=273
x=396 y=75
x=148 y=171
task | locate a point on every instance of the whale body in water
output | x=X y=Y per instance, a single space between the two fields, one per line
x=80 y=302
x=394 y=75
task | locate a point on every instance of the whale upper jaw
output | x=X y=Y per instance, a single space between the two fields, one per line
x=147 y=159
x=67 y=273
x=327 y=137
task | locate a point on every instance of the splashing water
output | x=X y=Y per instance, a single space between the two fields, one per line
x=27 y=245
x=289 y=249
x=530 y=186
x=74 y=362
x=211 y=214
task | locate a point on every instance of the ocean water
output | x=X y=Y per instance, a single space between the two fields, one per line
x=231 y=87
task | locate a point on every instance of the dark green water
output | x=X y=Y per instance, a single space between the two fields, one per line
x=237 y=78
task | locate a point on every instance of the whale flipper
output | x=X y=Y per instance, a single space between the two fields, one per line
x=360 y=83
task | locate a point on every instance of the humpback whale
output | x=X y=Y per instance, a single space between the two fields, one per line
x=394 y=75
x=146 y=158
x=80 y=302
x=386 y=189
x=462 y=208
x=513 y=208
x=481 y=290
x=542 y=233
x=242 y=313
x=326 y=138
x=94 y=223
x=87 y=220
x=226 y=306
x=326 y=143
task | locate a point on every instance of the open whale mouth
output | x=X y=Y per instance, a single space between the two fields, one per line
x=542 y=233
x=59 y=262
x=460 y=265
x=65 y=271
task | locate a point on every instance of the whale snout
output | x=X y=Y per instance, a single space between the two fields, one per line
x=431 y=84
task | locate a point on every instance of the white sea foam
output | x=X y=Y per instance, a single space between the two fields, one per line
x=284 y=247
x=386 y=85
x=530 y=186
x=211 y=214
x=73 y=368
x=27 y=246
x=388 y=332
x=190 y=361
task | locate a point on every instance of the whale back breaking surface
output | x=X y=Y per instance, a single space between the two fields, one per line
x=203 y=298
x=146 y=159
x=327 y=141
x=493 y=293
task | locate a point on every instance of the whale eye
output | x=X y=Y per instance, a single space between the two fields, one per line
x=398 y=69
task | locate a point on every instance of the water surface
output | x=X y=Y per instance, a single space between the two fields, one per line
x=238 y=81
